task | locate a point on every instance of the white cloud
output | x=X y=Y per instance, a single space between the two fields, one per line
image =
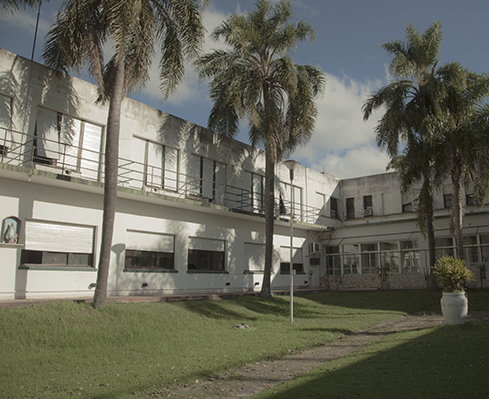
x=343 y=143
x=191 y=89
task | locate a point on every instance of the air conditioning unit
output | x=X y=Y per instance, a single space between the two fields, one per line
x=368 y=212
x=314 y=247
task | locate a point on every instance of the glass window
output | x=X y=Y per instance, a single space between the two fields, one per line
x=202 y=260
x=206 y=254
x=350 y=208
x=351 y=259
x=410 y=257
x=334 y=208
x=444 y=247
x=333 y=260
x=389 y=255
x=369 y=257
x=136 y=259
x=297 y=263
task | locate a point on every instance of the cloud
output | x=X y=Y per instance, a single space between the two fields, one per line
x=192 y=89
x=343 y=144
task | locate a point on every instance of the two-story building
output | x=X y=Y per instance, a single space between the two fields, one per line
x=190 y=213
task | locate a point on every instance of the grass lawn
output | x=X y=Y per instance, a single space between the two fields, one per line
x=65 y=349
x=440 y=362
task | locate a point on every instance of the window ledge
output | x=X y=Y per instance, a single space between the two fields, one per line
x=207 y=272
x=58 y=268
x=253 y=272
x=149 y=271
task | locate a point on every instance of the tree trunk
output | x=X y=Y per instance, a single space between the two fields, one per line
x=266 y=290
x=457 y=210
x=110 y=186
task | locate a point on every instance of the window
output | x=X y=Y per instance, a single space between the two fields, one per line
x=149 y=251
x=410 y=256
x=444 y=247
x=333 y=260
x=321 y=204
x=389 y=255
x=369 y=258
x=258 y=192
x=286 y=202
x=81 y=146
x=351 y=259
x=55 y=244
x=256 y=256
x=297 y=264
x=350 y=208
x=408 y=207
x=68 y=143
x=206 y=179
x=447 y=201
x=367 y=205
x=334 y=207
x=156 y=165
x=206 y=255
x=471 y=252
x=469 y=200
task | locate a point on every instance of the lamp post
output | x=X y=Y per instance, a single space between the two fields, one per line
x=291 y=165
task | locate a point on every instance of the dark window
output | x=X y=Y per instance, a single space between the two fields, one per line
x=297 y=267
x=367 y=202
x=469 y=200
x=136 y=259
x=334 y=207
x=203 y=260
x=447 y=200
x=30 y=257
x=350 y=208
x=407 y=207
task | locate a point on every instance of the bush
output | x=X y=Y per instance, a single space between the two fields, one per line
x=452 y=274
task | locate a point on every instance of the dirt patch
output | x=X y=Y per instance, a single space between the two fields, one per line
x=253 y=378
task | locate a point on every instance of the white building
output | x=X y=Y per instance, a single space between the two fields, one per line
x=190 y=213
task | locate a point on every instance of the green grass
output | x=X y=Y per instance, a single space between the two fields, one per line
x=64 y=349
x=440 y=362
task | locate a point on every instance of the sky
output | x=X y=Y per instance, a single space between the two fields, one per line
x=346 y=48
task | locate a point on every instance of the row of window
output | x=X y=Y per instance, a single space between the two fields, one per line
x=144 y=251
x=396 y=256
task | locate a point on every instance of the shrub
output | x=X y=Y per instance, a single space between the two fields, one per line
x=452 y=274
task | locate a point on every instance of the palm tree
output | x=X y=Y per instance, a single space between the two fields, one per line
x=405 y=130
x=461 y=138
x=134 y=27
x=256 y=79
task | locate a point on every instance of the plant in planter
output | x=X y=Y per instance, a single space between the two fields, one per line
x=452 y=274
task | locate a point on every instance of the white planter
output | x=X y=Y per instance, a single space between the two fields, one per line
x=454 y=306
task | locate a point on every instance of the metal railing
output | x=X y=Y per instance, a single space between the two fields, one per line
x=20 y=149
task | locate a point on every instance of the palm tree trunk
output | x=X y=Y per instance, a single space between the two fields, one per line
x=110 y=187
x=266 y=290
x=457 y=208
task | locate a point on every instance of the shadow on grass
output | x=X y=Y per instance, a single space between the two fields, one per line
x=247 y=308
x=443 y=362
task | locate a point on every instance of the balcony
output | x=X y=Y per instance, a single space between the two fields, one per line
x=79 y=164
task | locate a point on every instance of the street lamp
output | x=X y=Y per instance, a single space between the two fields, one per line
x=291 y=165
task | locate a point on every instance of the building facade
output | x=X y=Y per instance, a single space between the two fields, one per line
x=190 y=213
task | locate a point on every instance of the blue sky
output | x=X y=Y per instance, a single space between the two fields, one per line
x=348 y=33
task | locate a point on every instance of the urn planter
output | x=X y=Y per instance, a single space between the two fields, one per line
x=454 y=306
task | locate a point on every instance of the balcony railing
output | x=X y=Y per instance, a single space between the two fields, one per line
x=19 y=149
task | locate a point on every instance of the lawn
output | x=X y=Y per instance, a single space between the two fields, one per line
x=66 y=349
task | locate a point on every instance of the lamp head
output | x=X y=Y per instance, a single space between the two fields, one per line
x=291 y=164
